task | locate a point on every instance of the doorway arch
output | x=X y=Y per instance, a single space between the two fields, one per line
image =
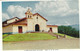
x=37 y=27
x=51 y=29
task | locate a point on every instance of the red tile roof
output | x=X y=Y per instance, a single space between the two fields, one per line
x=52 y=25
x=15 y=22
x=20 y=24
x=40 y=16
x=10 y=19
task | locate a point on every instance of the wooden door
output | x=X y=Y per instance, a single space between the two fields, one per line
x=20 y=29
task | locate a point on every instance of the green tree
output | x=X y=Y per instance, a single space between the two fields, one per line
x=68 y=30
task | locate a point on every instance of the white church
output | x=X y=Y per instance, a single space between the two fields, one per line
x=30 y=23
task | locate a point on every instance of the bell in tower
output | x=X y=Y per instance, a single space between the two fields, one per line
x=28 y=13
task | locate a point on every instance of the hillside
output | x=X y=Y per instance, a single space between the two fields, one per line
x=28 y=36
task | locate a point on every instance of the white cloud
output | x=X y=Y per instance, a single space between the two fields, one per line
x=5 y=16
x=17 y=11
x=60 y=8
x=70 y=12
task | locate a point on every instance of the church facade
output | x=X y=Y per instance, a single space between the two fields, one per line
x=30 y=23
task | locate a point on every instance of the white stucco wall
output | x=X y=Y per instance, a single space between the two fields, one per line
x=54 y=29
x=15 y=28
x=33 y=21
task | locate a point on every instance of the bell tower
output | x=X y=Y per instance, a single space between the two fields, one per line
x=28 y=13
x=29 y=19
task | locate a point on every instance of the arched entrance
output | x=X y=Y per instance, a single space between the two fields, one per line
x=36 y=27
x=50 y=29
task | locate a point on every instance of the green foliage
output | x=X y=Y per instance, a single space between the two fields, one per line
x=68 y=30
x=4 y=35
x=28 y=36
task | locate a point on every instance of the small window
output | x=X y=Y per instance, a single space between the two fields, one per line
x=36 y=17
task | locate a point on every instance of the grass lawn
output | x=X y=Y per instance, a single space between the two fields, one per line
x=28 y=36
x=4 y=35
x=63 y=35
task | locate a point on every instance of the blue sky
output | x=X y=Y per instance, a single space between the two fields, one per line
x=63 y=12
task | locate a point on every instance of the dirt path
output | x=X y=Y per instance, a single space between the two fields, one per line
x=42 y=44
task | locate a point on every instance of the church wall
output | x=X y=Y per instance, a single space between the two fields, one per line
x=54 y=29
x=33 y=21
x=41 y=22
x=15 y=28
x=24 y=27
x=30 y=25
